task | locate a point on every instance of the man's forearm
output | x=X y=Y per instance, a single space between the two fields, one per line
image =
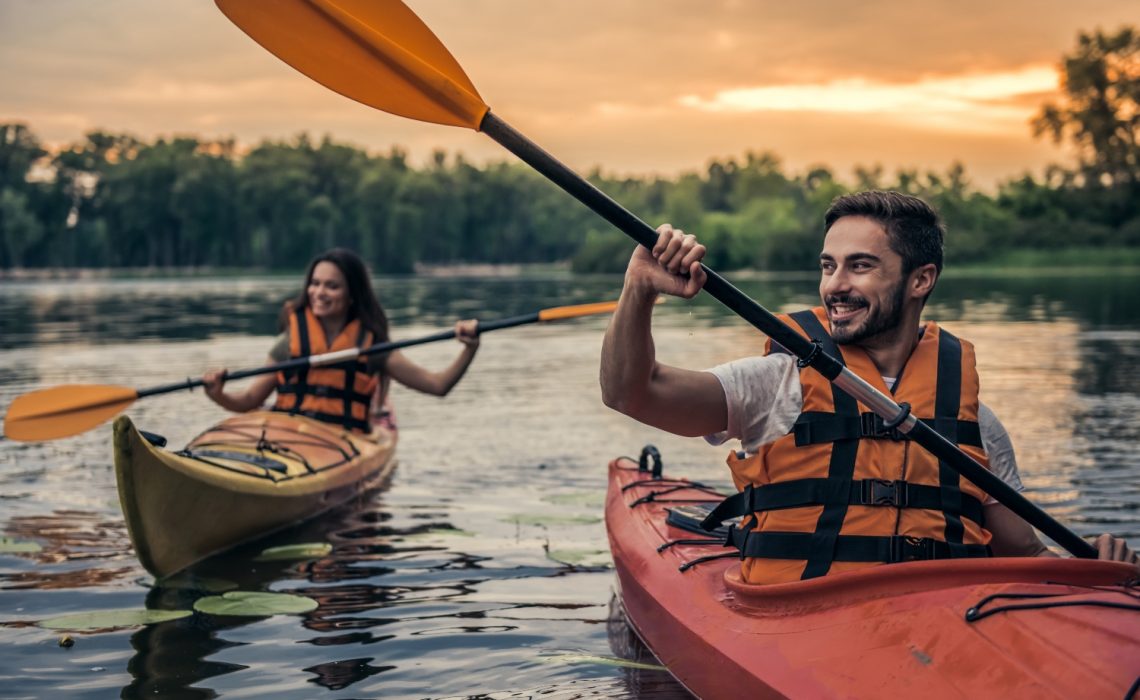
x=628 y=355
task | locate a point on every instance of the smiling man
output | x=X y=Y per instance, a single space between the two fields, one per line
x=824 y=486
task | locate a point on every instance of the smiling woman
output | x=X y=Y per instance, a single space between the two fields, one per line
x=337 y=310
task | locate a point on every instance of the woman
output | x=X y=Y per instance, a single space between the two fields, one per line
x=337 y=310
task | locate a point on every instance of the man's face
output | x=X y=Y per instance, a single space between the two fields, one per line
x=862 y=285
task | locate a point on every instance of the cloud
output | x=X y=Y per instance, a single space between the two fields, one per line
x=968 y=102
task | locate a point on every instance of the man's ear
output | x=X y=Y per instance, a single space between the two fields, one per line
x=922 y=280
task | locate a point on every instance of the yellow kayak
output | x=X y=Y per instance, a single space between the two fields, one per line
x=247 y=476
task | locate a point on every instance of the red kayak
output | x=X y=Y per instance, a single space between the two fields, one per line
x=979 y=628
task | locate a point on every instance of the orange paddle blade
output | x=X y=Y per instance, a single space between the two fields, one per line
x=65 y=410
x=561 y=312
x=377 y=52
x=598 y=307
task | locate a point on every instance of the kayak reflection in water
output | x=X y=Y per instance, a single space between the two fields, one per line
x=338 y=310
x=825 y=487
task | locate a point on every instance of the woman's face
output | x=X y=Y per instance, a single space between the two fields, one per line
x=328 y=292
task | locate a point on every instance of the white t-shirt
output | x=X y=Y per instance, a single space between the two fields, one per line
x=764 y=399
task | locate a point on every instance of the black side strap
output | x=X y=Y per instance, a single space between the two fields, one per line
x=890 y=550
x=799 y=493
x=947 y=400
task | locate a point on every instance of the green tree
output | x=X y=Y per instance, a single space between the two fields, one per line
x=1099 y=111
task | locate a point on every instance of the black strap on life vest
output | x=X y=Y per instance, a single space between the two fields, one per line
x=817 y=427
x=844 y=429
x=799 y=493
x=300 y=386
x=947 y=401
x=890 y=549
x=841 y=468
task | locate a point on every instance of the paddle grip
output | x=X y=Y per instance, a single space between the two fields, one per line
x=745 y=307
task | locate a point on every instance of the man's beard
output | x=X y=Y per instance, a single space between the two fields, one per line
x=884 y=319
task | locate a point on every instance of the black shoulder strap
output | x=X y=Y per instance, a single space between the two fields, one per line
x=301 y=384
x=947 y=401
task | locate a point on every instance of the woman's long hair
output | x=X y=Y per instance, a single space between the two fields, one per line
x=363 y=303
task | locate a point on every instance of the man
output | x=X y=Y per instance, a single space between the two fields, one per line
x=825 y=487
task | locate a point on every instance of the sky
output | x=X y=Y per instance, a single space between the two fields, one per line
x=633 y=87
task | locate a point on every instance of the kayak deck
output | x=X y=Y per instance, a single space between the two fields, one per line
x=1041 y=627
x=243 y=478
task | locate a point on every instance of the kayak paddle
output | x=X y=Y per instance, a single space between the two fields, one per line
x=379 y=53
x=70 y=409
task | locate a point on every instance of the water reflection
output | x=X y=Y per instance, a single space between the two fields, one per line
x=485 y=562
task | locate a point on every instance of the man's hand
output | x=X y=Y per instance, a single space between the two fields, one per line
x=672 y=267
x=1113 y=548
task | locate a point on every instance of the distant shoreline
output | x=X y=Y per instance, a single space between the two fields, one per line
x=1014 y=262
x=79 y=274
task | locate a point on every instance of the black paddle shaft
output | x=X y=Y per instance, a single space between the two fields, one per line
x=809 y=353
x=302 y=362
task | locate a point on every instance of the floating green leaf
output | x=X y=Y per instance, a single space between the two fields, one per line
x=11 y=546
x=304 y=550
x=111 y=619
x=576 y=658
x=255 y=604
x=547 y=519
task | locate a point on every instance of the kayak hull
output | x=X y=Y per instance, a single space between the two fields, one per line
x=248 y=476
x=884 y=632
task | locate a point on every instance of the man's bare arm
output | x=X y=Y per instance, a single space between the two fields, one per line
x=680 y=401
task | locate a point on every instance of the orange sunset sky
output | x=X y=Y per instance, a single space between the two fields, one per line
x=633 y=87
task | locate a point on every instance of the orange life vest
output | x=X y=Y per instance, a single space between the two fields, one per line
x=339 y=393
x=839 y=492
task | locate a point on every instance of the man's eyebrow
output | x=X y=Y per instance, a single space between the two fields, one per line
x=854 y=257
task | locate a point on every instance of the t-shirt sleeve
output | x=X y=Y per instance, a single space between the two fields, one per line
x=999 y=449
x=763 y=398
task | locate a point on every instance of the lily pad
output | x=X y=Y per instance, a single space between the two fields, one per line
x=255 y=604
x=111 y=619
x=304 y=550
x=11 y=546
x=546 y=519
x=576 y=658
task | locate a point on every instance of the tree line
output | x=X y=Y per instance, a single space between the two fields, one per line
x=114 y=201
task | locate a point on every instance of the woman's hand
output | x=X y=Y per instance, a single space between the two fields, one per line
x=215 y=383
x=467 y=332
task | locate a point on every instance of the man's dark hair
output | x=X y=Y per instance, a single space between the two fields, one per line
x=914 y=229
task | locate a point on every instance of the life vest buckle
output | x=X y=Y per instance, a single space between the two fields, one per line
x=883 y=492
x=871 y=426
x=907 y=548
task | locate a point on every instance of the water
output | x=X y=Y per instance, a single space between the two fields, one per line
x=482 y=570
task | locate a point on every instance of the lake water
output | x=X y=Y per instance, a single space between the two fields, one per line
x=482 y=570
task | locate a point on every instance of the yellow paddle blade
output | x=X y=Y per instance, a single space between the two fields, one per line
x=374 y=51
x=65 y=410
